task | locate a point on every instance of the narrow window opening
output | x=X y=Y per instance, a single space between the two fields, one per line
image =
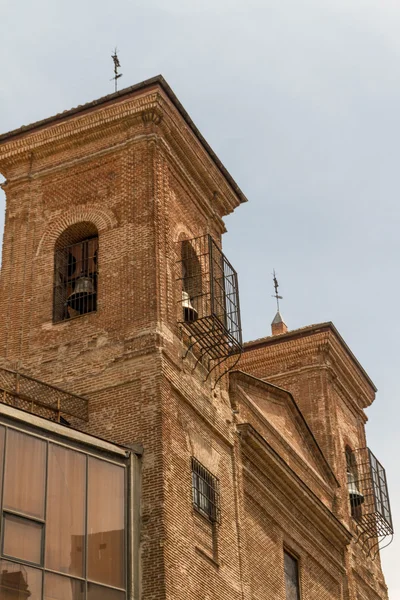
x=356 y=498
x=292 y=584
x=191 y=282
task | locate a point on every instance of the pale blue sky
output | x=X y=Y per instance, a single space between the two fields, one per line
x=300 y=99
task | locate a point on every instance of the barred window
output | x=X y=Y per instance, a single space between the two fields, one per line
x=205 y=491
x=75 y=272
x=292 y=584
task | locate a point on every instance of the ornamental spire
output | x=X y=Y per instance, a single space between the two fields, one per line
x=278 y=325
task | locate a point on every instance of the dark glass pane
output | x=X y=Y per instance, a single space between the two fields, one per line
x=24 y=480
x=18 y=582
x=106 y=523
x=291 y=578
x=57 y=587
x=22 y=539
x=98 y=592
x=65 y=524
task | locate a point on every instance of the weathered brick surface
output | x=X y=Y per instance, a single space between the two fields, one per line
x=135 y=169
x=331 y=390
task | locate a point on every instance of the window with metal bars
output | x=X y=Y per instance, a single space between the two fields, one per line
x=205 y=492
x=369 y=499
x=209 y=297
x=75 y=277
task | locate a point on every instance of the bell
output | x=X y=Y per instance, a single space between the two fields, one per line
x=83 y=298
x=356 y=497
x=189 y=312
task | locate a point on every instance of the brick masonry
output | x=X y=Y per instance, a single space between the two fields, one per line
x=135 y=167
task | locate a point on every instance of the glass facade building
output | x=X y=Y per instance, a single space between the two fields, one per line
x=64 y=521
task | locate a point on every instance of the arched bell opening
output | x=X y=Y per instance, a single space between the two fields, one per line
x=209 y=304
x=369 y=499
x=76 y=271
x=191 y=278
x=356 y=498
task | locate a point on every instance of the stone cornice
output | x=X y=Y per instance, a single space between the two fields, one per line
x=196 y=190
x=292 y=486
x=325 y=342
x=94 y=125
x=345 y=387
x=156 y=104
x=283 y=517
x=198 y=164
x=73 y=162
x=237 y=377
x=200 y=197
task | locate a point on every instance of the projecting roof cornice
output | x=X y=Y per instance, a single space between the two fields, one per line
x=238 y=378
x=322 y=339
x=151 y=103
x=290 y=486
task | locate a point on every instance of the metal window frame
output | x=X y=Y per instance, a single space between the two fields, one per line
x=123 y=461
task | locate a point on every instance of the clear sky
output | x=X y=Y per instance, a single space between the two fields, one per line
x=300 y=100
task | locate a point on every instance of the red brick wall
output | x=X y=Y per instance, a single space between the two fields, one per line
x=331 y=392
x=136 y=171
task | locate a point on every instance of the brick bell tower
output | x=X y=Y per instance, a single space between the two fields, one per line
x=99 y=201
x=114 y=286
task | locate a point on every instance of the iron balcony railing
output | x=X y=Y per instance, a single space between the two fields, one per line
x=369 y=499
x=209 y=301
x=39 y=398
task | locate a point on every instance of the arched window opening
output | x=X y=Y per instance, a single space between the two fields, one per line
x=356 y=498
x=369 y=499
x=209 y=304
x=76 y=272
x=191 y=282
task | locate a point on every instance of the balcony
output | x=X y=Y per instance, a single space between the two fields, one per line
x=369 y=500
x=209 y=304
x=40 y=398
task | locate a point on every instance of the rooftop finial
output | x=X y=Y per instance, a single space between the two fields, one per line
x=276 y=285
x=116 y=67
x=278 y=325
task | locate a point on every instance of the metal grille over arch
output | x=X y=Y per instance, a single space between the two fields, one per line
x=369 y=500
x=209 y=301
x=75 y=272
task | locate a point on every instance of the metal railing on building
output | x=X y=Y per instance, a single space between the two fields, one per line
x=209 y=301
x=41 y=399
x=369 y=500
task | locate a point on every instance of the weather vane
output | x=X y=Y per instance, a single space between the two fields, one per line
x=117 y=66
x=276 y=295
